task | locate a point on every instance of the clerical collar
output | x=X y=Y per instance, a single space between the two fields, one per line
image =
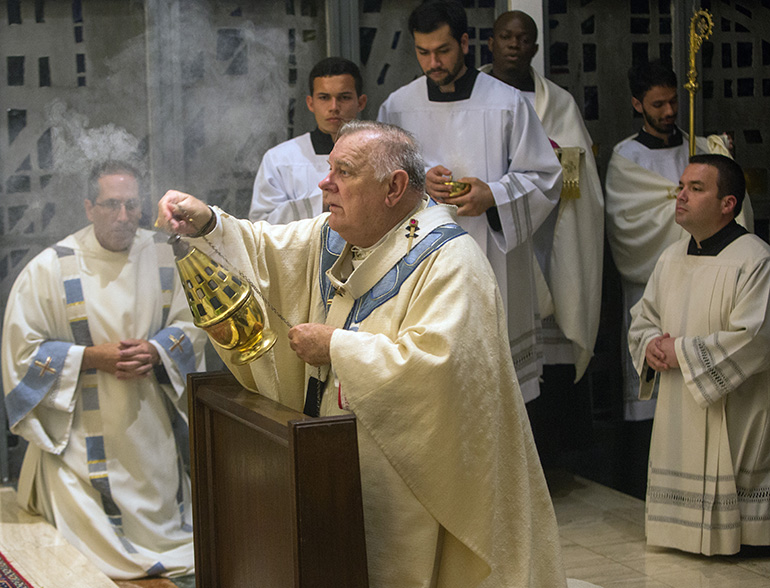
x=652 y=142
x=718 y=241
x=322 y=143
x=463 y=88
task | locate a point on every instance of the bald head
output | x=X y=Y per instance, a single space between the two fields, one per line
x=513 y=44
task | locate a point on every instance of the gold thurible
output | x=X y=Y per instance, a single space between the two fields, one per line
x=222 y=304
x=701 y=26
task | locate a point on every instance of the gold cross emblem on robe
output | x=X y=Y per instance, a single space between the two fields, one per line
x=177 y=343
x=45 y=367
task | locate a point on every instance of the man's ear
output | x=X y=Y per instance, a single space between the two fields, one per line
x=464 y=42
x=729 y=203
x=362 y=102
x=636 y=104
x=309 y=102
x=89 y=209
x=397 y=185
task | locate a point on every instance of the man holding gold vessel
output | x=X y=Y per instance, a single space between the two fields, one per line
x=396 y=317
x=483 y=132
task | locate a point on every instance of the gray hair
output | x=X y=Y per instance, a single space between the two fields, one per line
x=108 y=168
x=395 y=149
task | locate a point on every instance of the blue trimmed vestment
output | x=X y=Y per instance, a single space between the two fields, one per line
x=107 y=460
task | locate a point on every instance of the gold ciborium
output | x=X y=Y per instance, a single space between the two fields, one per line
x=222 y=304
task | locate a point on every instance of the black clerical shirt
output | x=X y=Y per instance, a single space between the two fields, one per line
x=718 y=241
x=652 y=142
x=322 y=143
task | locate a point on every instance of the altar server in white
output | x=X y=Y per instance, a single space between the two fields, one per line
x=480 y=131
x=572 y=259
x=396 y=308
x=286 y=186
x=97 y=344
x=641 y=187
x=701 y=336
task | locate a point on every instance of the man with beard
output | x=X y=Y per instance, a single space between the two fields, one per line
x=642 y=179
x=482 y=132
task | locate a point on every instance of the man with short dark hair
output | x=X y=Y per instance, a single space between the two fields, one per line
x=700 y=336
x=642 y=176
x=397 y=313
x=286 y=186
x=483 y=133
x=97 y=344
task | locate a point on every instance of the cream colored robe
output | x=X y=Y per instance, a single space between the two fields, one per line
x=454 y=496
x=709 y=469
x=575 y=274
x=103 y=463
x=570 y=293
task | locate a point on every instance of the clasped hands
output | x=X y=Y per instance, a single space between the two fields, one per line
x=474 y=202
x=661 y=354
x=126 y=360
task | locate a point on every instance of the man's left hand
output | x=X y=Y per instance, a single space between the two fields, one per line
x=312 y=342
x=476 y=201
x=137 y=356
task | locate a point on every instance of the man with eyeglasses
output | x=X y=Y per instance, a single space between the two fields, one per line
x=97 y=343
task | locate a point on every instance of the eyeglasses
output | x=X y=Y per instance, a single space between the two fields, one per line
x=114 y=205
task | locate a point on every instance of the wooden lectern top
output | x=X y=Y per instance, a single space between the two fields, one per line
x=276 y=493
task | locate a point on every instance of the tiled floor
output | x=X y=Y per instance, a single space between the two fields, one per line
x=602 y=535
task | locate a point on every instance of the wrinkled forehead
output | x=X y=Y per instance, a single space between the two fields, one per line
x=354 y=150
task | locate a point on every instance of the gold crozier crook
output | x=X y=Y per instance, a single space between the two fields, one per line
x=701 y=26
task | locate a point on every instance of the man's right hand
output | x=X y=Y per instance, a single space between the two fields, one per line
x=656 y=355
x=182 y=213
x=435 y=179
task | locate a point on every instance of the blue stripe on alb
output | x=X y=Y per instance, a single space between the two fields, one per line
x=388 y=286
x=95 y=449
x=90 y=398
x=73 y=290
x=167 y=277
x=38 y=381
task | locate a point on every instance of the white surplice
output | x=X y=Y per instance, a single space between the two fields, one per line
x=105 y=461
x=495 y=136
x=286 y=186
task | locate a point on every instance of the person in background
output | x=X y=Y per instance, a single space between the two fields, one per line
x=700 y=336
x=286 y=186
x=569 y=246
x=483 y=133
